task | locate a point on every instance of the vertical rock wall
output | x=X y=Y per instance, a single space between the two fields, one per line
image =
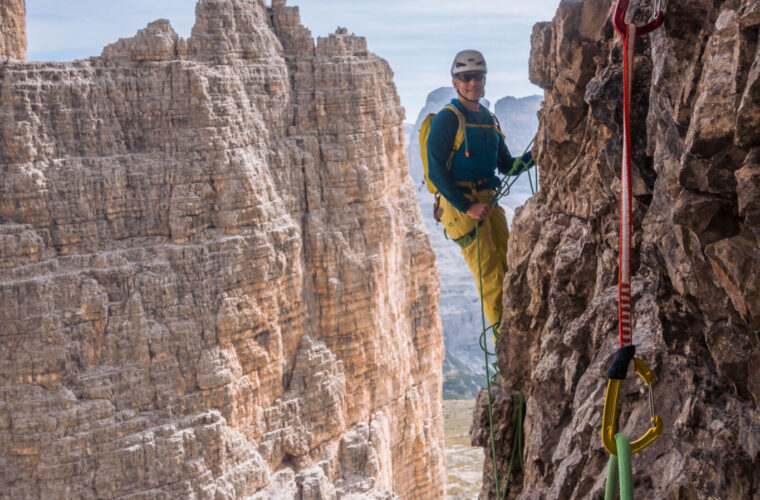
x=697 y=255
x=12 y=29
x=214 y=278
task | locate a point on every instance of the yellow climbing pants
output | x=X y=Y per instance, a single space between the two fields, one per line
x=493 y=234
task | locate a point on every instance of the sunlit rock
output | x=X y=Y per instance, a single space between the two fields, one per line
x=214 y=277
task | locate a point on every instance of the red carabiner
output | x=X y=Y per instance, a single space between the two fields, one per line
x=619 y=19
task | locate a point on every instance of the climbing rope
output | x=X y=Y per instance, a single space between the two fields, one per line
x=517 y=442
x=506 y=183
x=619 y=474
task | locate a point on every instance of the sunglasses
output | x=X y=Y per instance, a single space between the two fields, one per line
x=466 y=77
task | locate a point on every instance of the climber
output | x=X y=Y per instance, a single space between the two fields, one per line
x=466 y=180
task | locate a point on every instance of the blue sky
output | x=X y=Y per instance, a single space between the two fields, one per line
x=417 y=37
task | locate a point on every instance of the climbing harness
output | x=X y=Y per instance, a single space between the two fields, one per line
x=517 y=441
x=617 y=371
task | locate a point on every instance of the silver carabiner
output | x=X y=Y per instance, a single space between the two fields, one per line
x=656 y=9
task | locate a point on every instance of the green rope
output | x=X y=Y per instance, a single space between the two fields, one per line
x=619 y=474
x=531 y=167
x=483 y=346
x=611 y=488
x=530 y=179
x=517 y=442
x=520 y=166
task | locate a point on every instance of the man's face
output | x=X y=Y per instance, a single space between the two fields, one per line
x=470 y=84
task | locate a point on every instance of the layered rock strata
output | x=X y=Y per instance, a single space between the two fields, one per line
x=215 y=281
x=12 y=29
x=697 y=254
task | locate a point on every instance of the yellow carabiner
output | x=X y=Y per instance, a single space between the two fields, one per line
x=609 y=417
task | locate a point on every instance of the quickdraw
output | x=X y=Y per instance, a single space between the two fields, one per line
x=617 y=371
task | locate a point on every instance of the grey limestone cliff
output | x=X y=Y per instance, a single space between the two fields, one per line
x=696 y=107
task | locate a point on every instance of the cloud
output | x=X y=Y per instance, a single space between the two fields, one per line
x=78 y=29
x=410 y=11
x=417 y=37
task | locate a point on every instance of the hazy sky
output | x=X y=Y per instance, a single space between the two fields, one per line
x=417 y=37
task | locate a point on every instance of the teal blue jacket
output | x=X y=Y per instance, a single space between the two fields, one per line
x=487 y=152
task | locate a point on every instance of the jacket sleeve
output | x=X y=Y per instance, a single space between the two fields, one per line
x=443 y=130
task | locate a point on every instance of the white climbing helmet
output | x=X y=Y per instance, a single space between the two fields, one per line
x=468 y=60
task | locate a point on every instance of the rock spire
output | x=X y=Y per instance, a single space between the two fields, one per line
x=214 y=277
x=12 y=29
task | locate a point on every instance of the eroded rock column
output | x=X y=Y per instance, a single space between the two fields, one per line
x=214 y=278
x=13 y=29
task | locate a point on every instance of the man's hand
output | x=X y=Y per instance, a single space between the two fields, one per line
x=479 y=211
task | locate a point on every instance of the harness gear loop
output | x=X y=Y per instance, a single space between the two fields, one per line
x=656 y=9
x=609 y=416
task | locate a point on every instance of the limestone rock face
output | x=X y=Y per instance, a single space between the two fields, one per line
x=12 y=29
x=696 y=258
x=214 y=279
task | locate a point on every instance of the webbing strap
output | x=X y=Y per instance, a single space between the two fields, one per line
x=625 y=317
x=618 y=19
x=629 y=32
x=616 y=373
x=467 y=239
